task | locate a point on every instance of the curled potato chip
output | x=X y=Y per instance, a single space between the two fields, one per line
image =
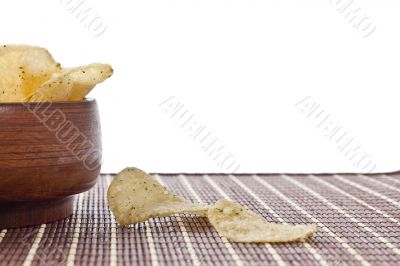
x=23 y=69
x=56 y=89
x=134 y=196
x=72 y=84
x=85 y=78
x=240 y=225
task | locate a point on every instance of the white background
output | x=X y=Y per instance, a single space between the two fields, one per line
x=239 y=67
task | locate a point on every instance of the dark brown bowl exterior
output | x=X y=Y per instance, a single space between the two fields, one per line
x=48 y=152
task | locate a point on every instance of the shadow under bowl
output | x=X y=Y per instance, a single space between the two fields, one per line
x=48 y=153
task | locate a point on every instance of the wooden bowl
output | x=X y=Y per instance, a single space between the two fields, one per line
x=48 y=153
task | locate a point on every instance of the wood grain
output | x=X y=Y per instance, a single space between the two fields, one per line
x=48 y=152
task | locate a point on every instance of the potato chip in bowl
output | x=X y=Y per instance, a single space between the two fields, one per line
x=30 y=74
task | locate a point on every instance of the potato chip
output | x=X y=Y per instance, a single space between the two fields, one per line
x=56 y=89
x=134 y=196
x=85 y=78
x=240 y=225
x=22 y=70
x=72 y=84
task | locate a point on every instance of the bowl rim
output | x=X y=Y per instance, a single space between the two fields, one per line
x=84 y=101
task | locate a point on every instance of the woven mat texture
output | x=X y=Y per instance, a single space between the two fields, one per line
x=358 y=218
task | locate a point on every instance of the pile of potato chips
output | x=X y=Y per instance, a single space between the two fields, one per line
x=134 y=196
x=30 y=74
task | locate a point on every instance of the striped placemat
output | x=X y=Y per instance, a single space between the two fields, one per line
x=358 y=218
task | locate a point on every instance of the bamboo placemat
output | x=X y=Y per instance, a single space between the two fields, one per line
x=358 y=218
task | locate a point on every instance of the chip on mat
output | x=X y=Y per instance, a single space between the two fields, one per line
x=134 y=196
x=240 y=225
